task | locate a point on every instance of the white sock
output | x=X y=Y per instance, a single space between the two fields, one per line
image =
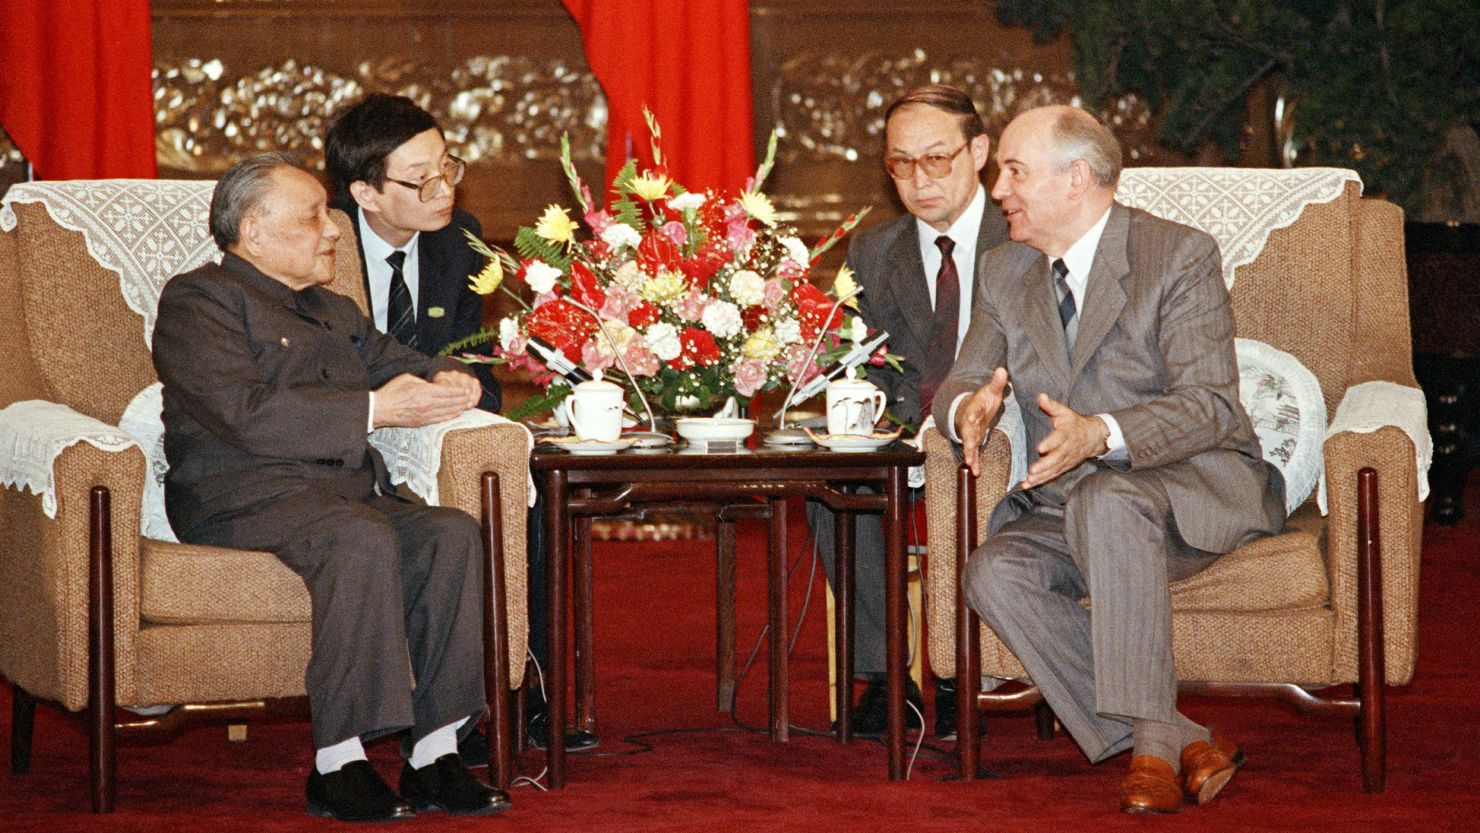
x=439 y=742
x=333 y=758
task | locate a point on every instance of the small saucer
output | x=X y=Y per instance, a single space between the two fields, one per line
x=648 y=439
x=852 y=442
x=787 y=438
x=576 y=445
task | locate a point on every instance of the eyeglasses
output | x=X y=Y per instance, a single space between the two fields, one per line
x=936 y=165
x=452 y=173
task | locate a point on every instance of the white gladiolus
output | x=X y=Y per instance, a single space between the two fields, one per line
x=859 y=331
x=662 y=339
x=747 y=287
x=619 y=235
x=541 y=276
x=722 y=318
x=508 y=330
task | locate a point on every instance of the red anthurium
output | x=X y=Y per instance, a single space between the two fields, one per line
x=563 y=325
x=583 y=286
x=812 y=307
x=657 y=253
x=706 y=261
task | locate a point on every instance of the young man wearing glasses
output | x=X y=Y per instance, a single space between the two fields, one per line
x=916 y=272
x=393 y=176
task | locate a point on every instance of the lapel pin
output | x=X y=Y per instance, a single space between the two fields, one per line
x=285 y=341
x=435 y=312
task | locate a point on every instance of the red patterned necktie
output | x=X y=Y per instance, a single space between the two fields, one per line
x=945 y=325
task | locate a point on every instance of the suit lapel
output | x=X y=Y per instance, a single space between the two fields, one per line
x=1104 y=297
x=1040 y=316
x=432 y=262
x=909 y=288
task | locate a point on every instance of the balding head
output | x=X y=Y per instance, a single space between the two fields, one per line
x=1059 y=168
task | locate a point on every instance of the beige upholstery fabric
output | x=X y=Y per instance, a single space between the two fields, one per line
x=1332 y=290
x=192 y=624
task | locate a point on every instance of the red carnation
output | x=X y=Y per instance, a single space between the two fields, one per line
x=698 y=348
x=751 y=317
x=706 y=261
x=642 y=316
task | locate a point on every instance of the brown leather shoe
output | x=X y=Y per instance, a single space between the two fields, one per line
x=1206 y=767
x=1151 y=787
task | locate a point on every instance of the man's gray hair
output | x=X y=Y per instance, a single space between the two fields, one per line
x=1079 y=135
x=240 y=191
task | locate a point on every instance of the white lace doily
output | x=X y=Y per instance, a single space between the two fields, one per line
x=143 y=421
x=1372 y=405
x=146 y=230
x=33 y=433
x=1238 y=206
x=413 y=455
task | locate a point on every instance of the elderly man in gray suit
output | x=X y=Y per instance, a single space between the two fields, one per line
x=272 y=384
x=1143 y=466
x=916 y=274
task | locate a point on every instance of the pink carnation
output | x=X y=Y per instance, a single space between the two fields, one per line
x=640 y=360
x=750 y=375
x=594 y=359
x=798 y=369
x=772 y=293
x=691 y=307
x=619 y=302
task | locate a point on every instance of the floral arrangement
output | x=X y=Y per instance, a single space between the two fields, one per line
x=691 y=296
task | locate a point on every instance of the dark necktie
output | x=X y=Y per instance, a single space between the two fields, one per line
x=400 y=316
x=1067 y=309
x=945 y=326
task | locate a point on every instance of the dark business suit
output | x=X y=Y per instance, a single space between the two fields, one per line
x=1154 y=348
x=897 y=299
x=445 y=262
x=266 y=410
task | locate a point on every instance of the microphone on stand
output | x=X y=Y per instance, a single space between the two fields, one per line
x=795 y=436
x=556 y=361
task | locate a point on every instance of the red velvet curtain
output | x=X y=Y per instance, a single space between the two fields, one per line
x=75 y=92
x=688 y=62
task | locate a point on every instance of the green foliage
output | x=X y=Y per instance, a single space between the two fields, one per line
x=541 y=403
x=529 y=245
x=1375 y=83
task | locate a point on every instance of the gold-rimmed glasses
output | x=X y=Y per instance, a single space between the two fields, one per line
x=452 y=173
x=936 y=165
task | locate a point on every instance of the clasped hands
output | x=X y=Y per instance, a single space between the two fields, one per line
x=1074 y=438
x=410 y=402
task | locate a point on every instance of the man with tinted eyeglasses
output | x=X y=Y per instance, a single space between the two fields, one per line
x=916 y=273
x=393 y=176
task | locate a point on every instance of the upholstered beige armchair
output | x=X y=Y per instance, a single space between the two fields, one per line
x=94 y=612
x=1318 y=272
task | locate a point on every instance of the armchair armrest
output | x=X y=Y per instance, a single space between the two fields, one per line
x=44 y=572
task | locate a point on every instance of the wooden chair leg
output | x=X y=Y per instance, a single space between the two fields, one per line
x=968 y=650
x=100 y=666
x=496 y=636
x=1371 y=664
x=724 y=613
x=22 y=728
x=521 y=712
x=1044 y=720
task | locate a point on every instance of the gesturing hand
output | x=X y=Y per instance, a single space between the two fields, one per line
x=975 y=417
x=1074 y=439
x=411 y=402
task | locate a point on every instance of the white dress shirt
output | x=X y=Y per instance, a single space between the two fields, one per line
x=379 y=272
x=963 y=233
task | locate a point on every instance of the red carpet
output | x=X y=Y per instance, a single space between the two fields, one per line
x=655 y=672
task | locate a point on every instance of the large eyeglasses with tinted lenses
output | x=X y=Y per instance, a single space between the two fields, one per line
x=452 y=173
x=936 y=165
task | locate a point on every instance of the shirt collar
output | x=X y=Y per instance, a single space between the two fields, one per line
x=261 y=281
x=1081 y=256
x=963 y=232
x=376 y=249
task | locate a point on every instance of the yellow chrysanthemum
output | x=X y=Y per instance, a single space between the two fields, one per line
x=666 y=288
x=845 y=284
x=762 y=344
x=759 y=207
x=650 y=186
x=485 y=282
x=555 y=225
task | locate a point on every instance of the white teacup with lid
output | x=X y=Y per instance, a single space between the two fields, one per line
x=854 y=406
x=594 y=410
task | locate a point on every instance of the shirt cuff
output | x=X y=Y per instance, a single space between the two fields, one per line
x=951 y=417
x=1115 y=452
x=370 y=417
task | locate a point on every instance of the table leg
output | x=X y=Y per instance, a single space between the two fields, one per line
x=843 y=623
x=557 y=533
x=724 y=614
x=894 y=615
x=776 y=597
x=585 y=716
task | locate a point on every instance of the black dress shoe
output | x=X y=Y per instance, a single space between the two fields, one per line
x=871 y=715
x=354 y=793
x=447 y=784
x=575 y=740
x=945 y=711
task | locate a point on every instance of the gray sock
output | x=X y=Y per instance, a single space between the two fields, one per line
x=1166 y=740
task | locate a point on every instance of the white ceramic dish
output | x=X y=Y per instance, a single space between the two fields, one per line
x=705 y=430
x=853 y=442
x=576 y=445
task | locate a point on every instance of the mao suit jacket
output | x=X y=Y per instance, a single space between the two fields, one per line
x=266 y=391
x=445 y=262
x=897 y=298
x=1154 y=349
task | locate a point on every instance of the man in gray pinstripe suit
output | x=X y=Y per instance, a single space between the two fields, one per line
x=1143 y=467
